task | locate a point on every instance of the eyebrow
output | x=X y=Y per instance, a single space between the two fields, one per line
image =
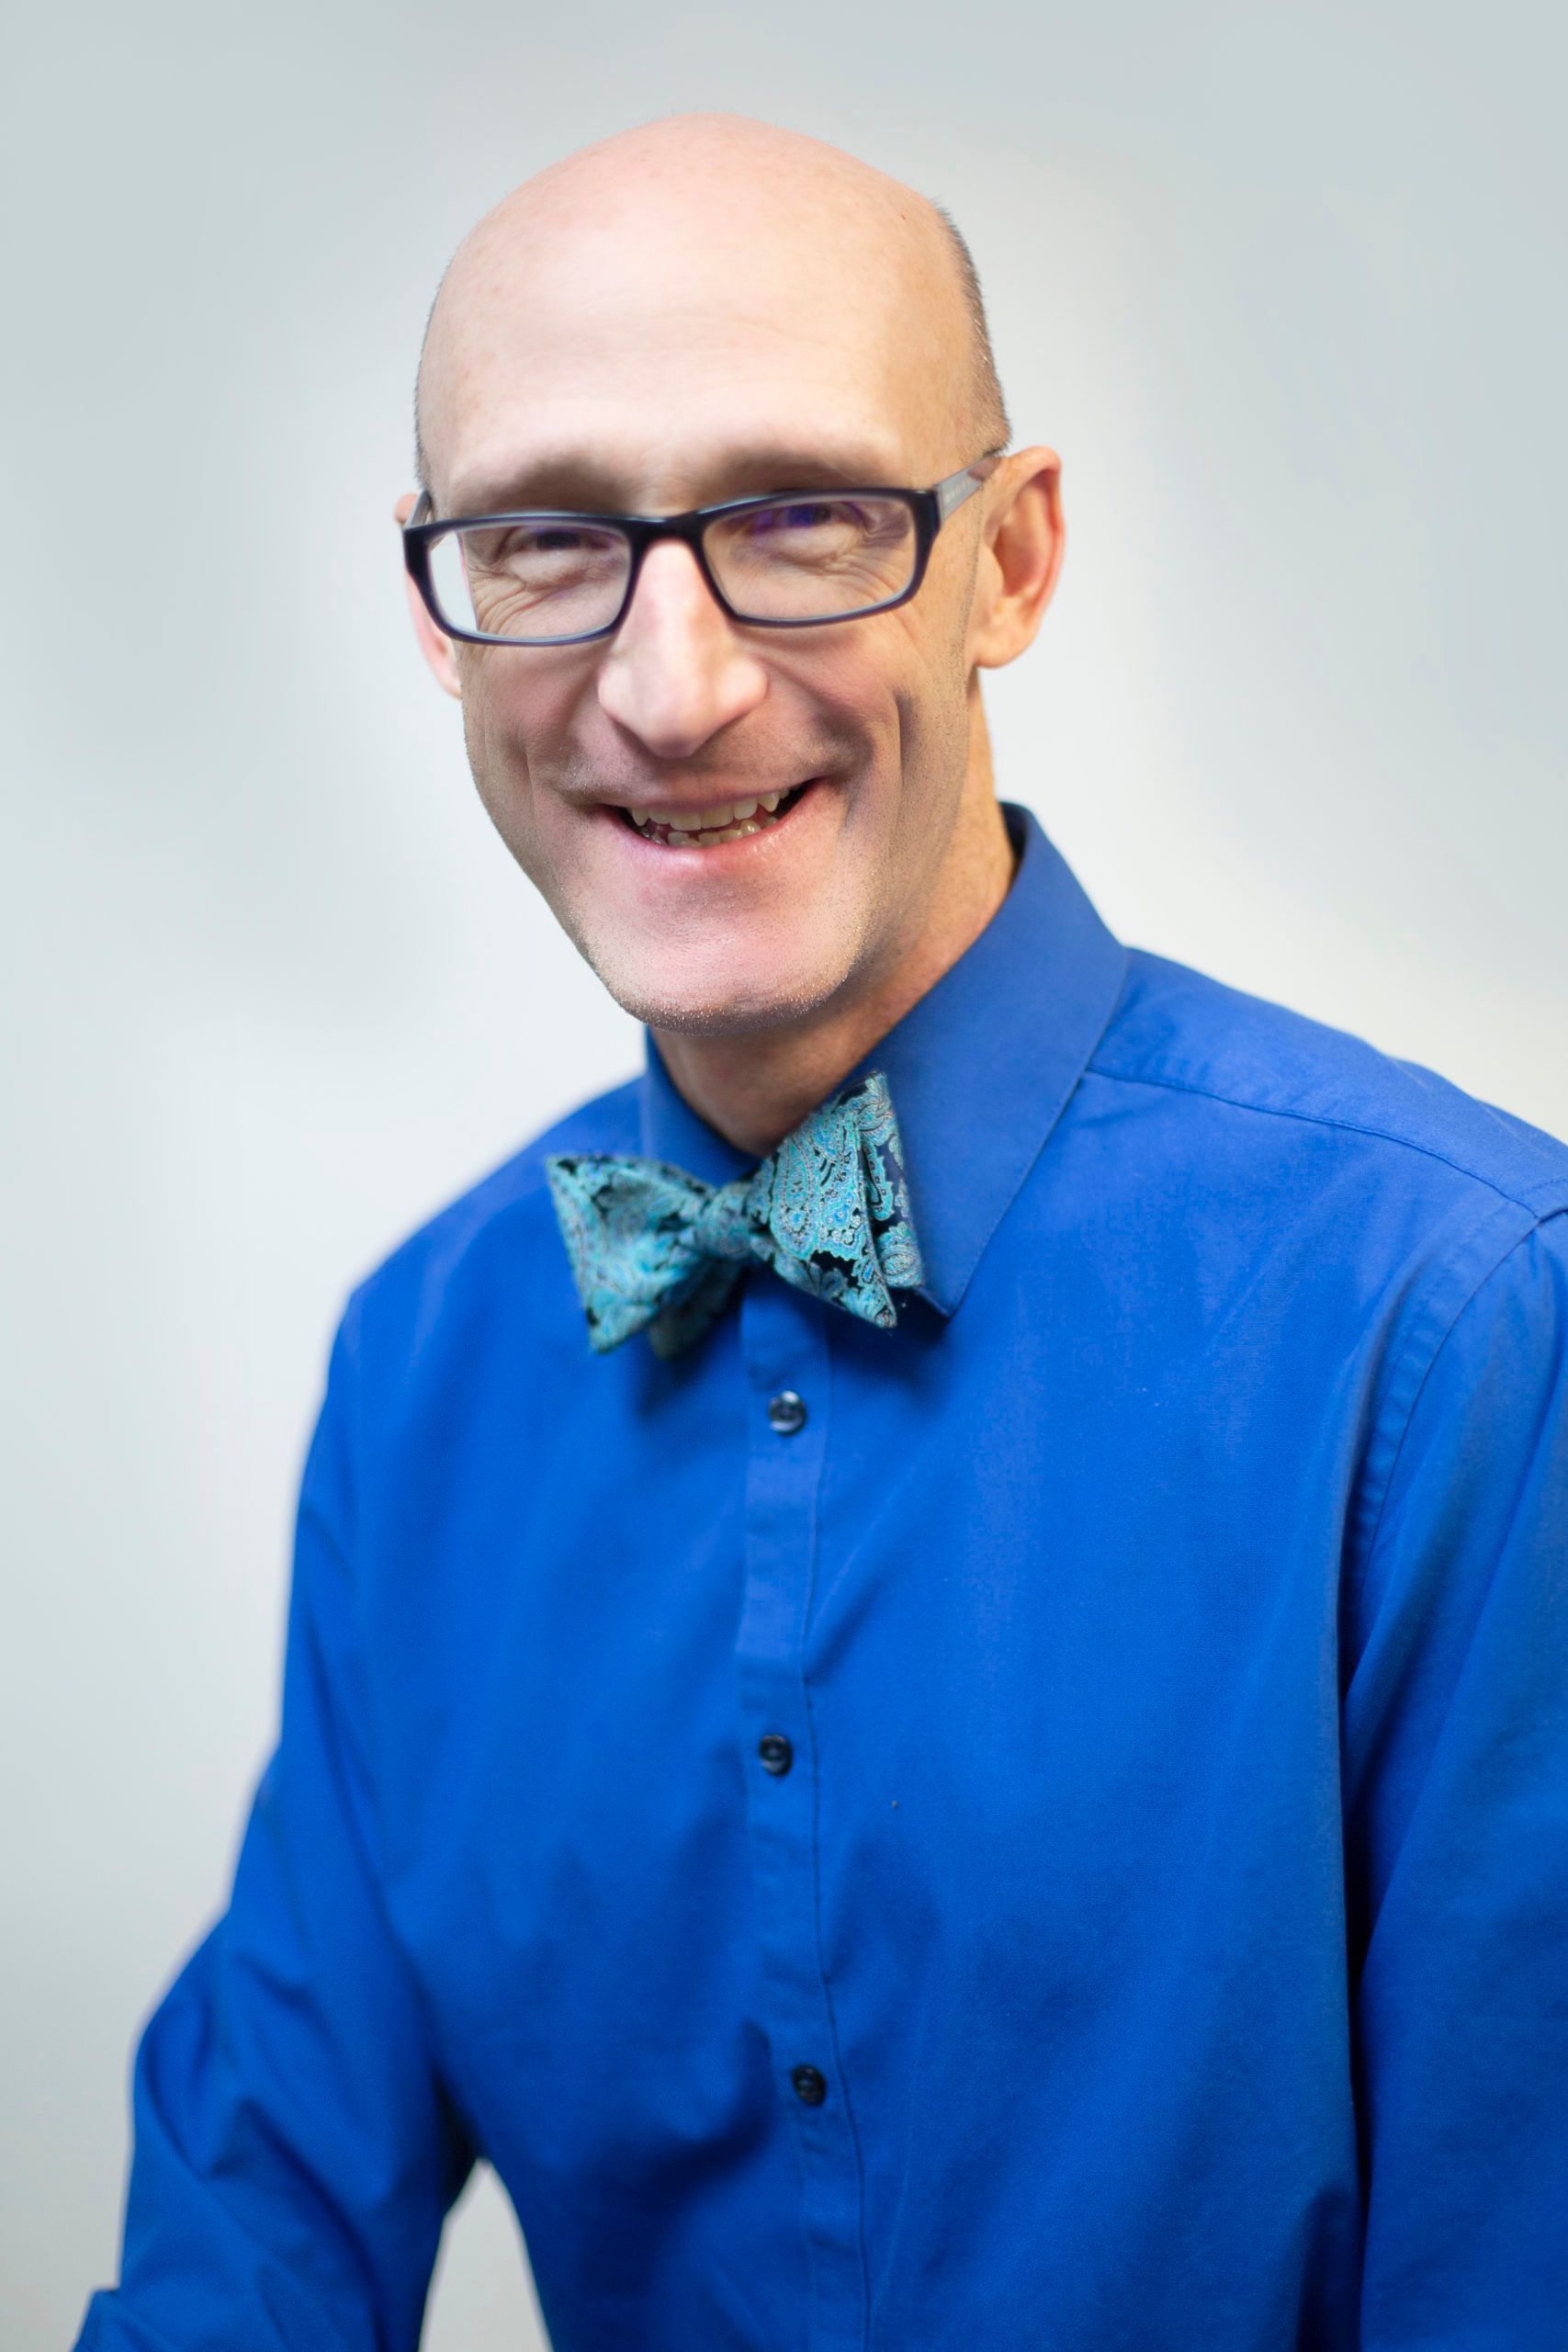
x=579 y=483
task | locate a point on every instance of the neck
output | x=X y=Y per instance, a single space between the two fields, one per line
x=753 y=1089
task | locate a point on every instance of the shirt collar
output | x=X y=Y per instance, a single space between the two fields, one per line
x=979 y=1069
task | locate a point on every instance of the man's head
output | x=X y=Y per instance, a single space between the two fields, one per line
x=699 y=311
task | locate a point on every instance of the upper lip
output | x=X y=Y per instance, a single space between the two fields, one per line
x=720 y=797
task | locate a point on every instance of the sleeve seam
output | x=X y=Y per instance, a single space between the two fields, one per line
x=1472 y=1290
x=1527 y=1197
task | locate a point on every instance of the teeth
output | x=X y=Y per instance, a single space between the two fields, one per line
x=702 y=827
x=728 y=834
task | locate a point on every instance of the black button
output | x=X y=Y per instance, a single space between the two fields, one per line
x=786 y=1412
x=775 y=1751
x=810 y=2086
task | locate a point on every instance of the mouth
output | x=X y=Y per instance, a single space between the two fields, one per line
x=727 y=821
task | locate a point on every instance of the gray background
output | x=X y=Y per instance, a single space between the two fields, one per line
x=1284 y=287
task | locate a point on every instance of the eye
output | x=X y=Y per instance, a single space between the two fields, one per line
x=544 y=550
x=555 y=538
x=803 y=515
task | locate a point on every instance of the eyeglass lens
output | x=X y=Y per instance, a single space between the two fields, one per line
x=536 y=579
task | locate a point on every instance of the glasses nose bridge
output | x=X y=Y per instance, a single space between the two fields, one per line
x=688 y=530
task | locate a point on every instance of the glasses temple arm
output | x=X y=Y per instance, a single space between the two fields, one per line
x=957 y=487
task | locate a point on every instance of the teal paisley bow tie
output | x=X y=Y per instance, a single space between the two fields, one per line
x=829 y=1209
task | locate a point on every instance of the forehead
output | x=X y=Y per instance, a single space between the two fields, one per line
x=670 y=353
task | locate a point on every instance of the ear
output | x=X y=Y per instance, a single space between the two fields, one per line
x=1021 y=555
x=433 y=643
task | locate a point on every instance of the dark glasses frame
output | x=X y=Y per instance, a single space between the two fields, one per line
x=931 y=509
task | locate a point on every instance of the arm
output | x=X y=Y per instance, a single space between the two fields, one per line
x=294 y=2158
x=1455 y=1754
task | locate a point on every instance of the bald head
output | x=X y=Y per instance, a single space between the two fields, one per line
x=755 y=243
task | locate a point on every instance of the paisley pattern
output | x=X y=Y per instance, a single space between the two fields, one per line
x=829 y=1210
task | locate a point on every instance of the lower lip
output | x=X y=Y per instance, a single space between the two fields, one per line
x=720 y=854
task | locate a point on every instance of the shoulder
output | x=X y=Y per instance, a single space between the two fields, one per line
x=1367 y=1197
x=1264 y=1068
x=494 y=1249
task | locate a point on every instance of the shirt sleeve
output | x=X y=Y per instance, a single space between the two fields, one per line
x=294 y=2154
x=1456 y=1756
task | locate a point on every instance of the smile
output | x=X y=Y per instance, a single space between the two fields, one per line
x=726 y=821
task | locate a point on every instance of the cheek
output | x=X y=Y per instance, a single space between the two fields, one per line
x=860 y=689
x=915 y=683
x=518 y=729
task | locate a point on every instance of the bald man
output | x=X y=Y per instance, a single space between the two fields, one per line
x=927 y=1664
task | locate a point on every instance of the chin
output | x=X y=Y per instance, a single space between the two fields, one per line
x=735 y=1002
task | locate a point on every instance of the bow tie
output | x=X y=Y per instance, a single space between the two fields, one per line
x=829 y=1209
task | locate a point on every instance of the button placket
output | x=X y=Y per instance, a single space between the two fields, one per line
x=786 y=1357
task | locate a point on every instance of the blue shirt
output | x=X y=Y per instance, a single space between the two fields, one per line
x=1066 y=1847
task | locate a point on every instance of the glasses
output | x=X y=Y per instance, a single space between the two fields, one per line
x=791 y=560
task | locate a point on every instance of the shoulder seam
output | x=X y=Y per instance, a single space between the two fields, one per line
x=1529 y=1199
x=1472 y=1293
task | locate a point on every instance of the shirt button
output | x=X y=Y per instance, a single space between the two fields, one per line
x=810 y=2088
x=775 y=1751
x=786 y=1412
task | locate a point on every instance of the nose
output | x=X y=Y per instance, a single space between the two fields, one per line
x=677 y=671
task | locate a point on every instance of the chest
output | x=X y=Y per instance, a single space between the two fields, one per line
x=1012 y=1641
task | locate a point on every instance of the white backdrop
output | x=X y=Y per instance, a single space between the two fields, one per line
x=1284 y=285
